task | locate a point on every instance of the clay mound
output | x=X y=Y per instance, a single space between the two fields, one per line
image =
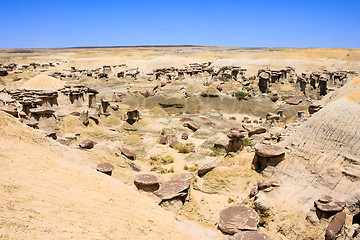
x=43 y=82
x=50 y=194
x=325 y=151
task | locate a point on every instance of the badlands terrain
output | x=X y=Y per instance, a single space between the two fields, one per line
x=179 y=143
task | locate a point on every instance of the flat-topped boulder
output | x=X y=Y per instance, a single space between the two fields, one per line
x=293 y=101
x=266 y=151
x=238 y=218
x=10 y=109
x=106 y=168
x=147 y=182
x=192 y=126
x=31 y=123
x=206 y=168
x=127 y=153
x=184 y=177
x=329 y=206
x=172 y=189
x=251 y=235
x=42 y=110
x=87 y=144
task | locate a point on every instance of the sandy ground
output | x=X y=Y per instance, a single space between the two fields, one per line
x=48 y=194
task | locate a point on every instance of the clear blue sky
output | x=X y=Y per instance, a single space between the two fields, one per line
x=54 y=23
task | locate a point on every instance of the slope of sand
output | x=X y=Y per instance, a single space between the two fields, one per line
x=47 y=194
x=43 y=82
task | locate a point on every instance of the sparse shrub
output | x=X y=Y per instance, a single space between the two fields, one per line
x=182 y=149
x=243 y=77
x=167 y=159
x=240 y=95
x=230 y=200
x=252 y=78
x=171 y=170
x=186 y=167
x=232 y=118
x=216 y=151
x=247 y=142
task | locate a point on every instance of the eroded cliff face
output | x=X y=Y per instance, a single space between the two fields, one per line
x=324 y=152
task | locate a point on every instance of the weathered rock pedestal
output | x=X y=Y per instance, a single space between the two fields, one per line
x=132 y=115
x=235 y=142
x=267 y=155
x=105 y=103
x=263 y=81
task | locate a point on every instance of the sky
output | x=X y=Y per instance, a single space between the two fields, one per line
x=80 y=23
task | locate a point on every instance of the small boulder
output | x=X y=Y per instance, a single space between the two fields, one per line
x=184 y=136
x=106 y=168
x=192 y=126
x=163 y=140
x=335 y=226
x=257 y=130
x=127 y=153
x=174 y=143
x=87 y=144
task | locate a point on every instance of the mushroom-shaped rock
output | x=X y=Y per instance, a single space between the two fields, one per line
x=106 y=168
x=127 y=153
x=132 y=114
x=147 y=182
x=251 y=235
x=264 y=150
x=206 y=168
x=335 y=226
x=264 y=75
x=184 y=177
x=235 y=135
x=172 y=189
x=238 y=218
x=88 y=144
x=257 y=130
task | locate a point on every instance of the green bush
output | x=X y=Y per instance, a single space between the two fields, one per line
x=240 y=95
x=182 y=149
x=216 y=151
x=247 y=142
